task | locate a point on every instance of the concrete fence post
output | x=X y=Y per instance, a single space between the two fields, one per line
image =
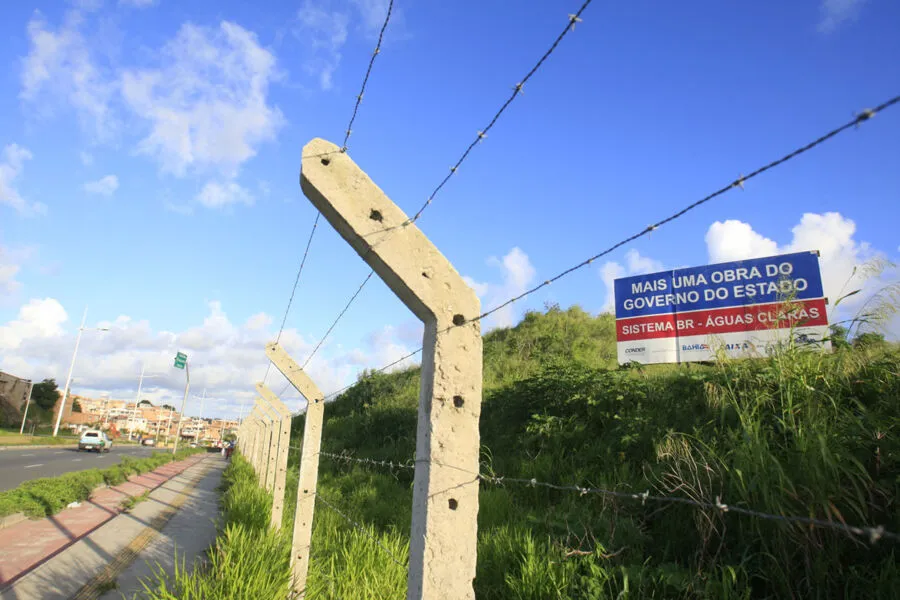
x=284 y=443
x=309 y=463
x=444 y=530
x=258 y=436
x=271 y=440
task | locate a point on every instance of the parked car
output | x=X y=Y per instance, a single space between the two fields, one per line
x=94 y=439
x=148 y=442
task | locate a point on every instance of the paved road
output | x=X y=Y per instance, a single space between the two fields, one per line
x=24 y=464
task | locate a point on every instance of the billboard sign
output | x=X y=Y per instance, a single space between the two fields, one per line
x=740 y=308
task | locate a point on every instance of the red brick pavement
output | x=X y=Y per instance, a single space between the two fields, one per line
x=26 y=545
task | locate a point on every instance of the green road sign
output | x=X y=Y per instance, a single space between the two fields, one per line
x=179 y=364
x=180 y=360
x=181 y=356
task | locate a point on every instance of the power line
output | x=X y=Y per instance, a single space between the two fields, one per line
x=517 y=89
x=362 y=90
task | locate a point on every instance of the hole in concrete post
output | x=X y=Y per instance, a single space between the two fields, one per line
x=453 y=503
x=425 y=275
x=326 y=161
x=458 y=401
x=375 y=215
x=459 y=320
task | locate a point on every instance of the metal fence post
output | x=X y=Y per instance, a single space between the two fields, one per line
x=444 y=529
x=284 y=443
x=309 y=463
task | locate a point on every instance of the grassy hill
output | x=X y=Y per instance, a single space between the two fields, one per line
x=794 y=434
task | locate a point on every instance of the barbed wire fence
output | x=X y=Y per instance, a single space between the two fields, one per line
x=870 y=534
x=344 y=148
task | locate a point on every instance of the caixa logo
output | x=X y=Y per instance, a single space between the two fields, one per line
x=639 y=350
x=694 y=347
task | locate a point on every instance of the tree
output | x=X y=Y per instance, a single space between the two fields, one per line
x=145 y=403
x=76 y=406
x=839 y=336
x=168 y=407
x=869 y=339
x=45 y=394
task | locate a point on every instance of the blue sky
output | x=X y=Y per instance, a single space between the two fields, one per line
x=150 y=161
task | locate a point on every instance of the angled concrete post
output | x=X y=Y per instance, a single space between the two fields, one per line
x=258 y=436
x=309 y=463
x=444 y=531
x=284 y=443
x=274 y=420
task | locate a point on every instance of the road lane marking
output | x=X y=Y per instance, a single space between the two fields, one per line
x=32 y=466
x=76 y=460
x=60 y=452
x=28 y=455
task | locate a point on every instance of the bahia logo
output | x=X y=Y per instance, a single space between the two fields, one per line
x=694 y=347
x=639 y=350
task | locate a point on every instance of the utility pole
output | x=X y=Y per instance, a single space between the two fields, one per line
x=27 y=402
x=136 y=403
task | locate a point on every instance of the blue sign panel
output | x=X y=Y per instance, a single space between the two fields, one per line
x=738 y=283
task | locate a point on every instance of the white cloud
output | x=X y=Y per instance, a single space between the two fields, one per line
x=87 y=159
x=836 y=12
x=12 y=163
x=105 y=186
x=635 y=264
x=206 y=102
x=9 y=269
x=227 y=358
x=39 y=319
x=373 y=13
x=60 y=65
x=325 y=31
x=517 y=274
x=830 y=233
x=223 y=195
x=138 y=3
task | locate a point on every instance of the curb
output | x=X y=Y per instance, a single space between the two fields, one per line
x=13 y=519
x=7 y=585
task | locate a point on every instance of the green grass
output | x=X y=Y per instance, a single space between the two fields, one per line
x=792 y=434
x=13 y=438
x=129 y=503
x=47 y=496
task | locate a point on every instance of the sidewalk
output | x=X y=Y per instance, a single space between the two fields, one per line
x=25 y=546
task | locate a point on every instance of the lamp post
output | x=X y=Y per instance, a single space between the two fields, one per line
x=62 y=404
x=138 y=401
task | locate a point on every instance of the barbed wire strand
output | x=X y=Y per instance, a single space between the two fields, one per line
x=517 y=90
x=481 y=135
x=863 y=116
x=339 y=317
x=347 y=133
x=872 y=534
x=294 y=289
x=739 y=182
x=362 y=90
x=362 y=529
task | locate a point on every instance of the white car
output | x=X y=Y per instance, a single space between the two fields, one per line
x=94 y=439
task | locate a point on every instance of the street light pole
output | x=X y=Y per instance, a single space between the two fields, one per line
x=136 y=403
x=62 y=405
x=27 y=402
x=187 y=387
